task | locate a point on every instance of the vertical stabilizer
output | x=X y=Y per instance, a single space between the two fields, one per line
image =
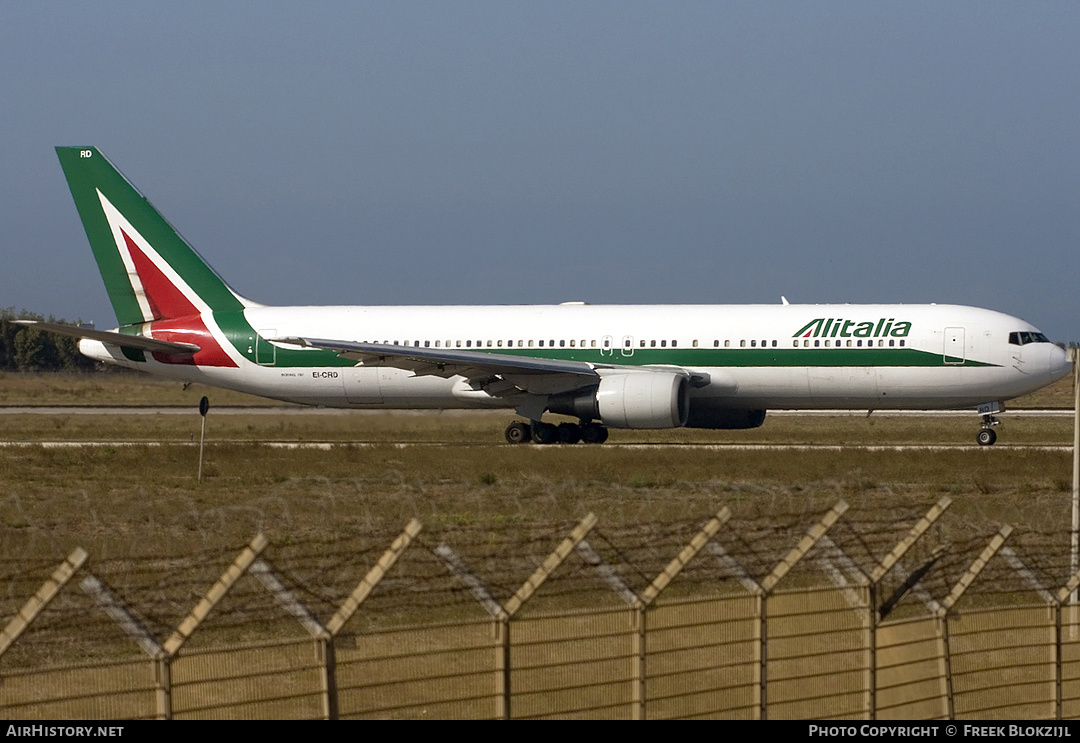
x=150 y=271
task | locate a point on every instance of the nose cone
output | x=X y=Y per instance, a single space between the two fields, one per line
x=1057 y=363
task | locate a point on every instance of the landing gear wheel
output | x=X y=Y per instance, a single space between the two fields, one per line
x=568 y=433
x=593 y=433
x=518 y=433
x=543 y=433
x=986 y=437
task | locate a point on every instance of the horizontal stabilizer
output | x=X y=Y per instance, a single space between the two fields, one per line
x=140 y=342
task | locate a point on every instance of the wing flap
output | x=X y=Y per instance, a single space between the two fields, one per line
x=446 y=362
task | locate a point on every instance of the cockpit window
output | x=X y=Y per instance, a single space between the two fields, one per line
x=1023 y=337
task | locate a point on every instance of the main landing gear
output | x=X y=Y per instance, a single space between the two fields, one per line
x=548 y=433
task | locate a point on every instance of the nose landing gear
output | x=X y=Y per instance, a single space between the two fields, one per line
x=987 y=435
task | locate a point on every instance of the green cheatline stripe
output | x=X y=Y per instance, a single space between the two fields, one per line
x=87 y=175
x=743 y=357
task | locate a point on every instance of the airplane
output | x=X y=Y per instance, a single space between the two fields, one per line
x=608 y=366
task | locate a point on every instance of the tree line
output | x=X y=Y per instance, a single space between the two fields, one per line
x=26 y=349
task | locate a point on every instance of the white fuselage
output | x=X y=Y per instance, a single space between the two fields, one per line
x=744 y=356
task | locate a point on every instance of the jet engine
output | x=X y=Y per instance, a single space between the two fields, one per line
x=630 y=400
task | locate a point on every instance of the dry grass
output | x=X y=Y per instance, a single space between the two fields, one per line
x=133 y=498
x=330 y=513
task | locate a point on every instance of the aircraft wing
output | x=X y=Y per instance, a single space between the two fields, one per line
x=140 y=342
x=448 y=362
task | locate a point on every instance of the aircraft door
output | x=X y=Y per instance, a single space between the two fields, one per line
x=265 y=351
x=954 y=346
x=628 y=345
x=607 y=346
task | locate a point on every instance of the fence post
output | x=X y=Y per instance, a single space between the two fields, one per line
x=37 y=603
x=732 y=565
x=500 y=626
x=324 y=645
x=950 y=601
x=659 y=583
x=349 y=607
x=107 y=600
x=501 y=615
x=878 y=574
x=636 y=620
x=1066 y=594
x=163 y=684
x=216 y=593
x=789 y=561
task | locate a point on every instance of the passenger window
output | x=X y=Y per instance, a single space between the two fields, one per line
x=742 y=344
x=663 y=344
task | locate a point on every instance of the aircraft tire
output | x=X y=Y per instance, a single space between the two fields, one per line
x=986 y=437
x=518 y=433
x=544 y=433
x=594 y=433
x=568 y=433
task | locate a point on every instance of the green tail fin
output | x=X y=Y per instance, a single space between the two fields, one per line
x=150 y=271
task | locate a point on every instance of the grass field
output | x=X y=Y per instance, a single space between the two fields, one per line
x=133 y=388
x=329 y=512
x=121 y=497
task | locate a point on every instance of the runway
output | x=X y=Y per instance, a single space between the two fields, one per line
x=330 y=445
x=302 y=410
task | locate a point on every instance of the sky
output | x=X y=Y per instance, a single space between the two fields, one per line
x=541 y=152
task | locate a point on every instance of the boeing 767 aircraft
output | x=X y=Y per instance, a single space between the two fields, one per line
x=614 y=366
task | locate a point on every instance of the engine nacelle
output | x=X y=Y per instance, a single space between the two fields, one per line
x=703 y=415
x=630 y=400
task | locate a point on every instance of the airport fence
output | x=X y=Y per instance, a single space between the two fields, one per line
x=831 y=616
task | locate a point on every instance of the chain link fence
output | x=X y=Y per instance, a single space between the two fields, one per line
x=868 y=615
